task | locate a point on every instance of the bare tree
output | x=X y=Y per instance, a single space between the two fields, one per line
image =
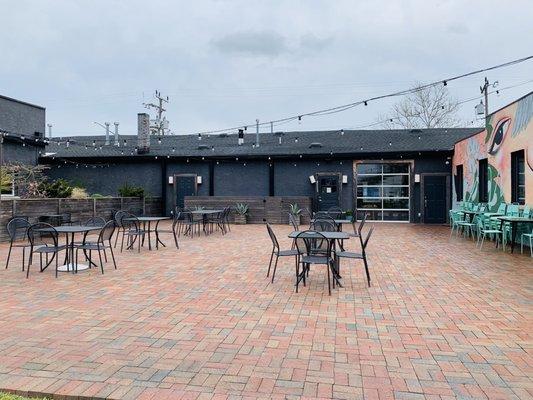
x=430 y=107
x=26 y=179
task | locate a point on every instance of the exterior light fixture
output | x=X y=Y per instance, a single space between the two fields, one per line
x=480 y=108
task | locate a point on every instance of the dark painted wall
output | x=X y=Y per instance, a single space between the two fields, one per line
x=291 y=180
x=21 y=118
x=19 y=154
x=236 y=179
x=108 y=180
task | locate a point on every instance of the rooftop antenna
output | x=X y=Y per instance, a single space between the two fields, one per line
x=257 y=133
x=117 y=143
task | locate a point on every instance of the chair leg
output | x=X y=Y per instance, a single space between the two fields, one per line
x=57 y=264
x=270 y=263
x=275 y=266
x=112 y=256
x=105 y=255
x=297 y=272
x=329 y=280
x=9 y=254
x=101 y=263
x=30 y=259
x=366 y=269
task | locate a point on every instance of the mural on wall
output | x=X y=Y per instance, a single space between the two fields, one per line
x=509 y=129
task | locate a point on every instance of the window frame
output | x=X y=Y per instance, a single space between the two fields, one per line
x=459 y=182
x=483 y=180
x=517 y=158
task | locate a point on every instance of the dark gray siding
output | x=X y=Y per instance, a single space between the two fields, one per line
x=293 y=180
x=107 y=181
x=19 y=154
x=235 y=179
x=21 y=118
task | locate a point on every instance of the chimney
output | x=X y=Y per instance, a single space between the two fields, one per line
x=143 y=133
x=241 y=137
x=49 y=130
x=107 y=133
x=116 y=135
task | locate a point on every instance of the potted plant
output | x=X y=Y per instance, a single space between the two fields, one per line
x=241 y=210
x=296 y=212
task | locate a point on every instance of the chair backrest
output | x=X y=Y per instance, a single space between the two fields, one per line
x=361 y=224
x=365 y=242
x=321 y=214
x=513 y=210
x=42 y=234
x=335 y=212
x=17 y=228
x=293 y=222
x=95 y=221
x=106 y=233
x=272 y=236
x=118 y=217
x=65 y=218
x=310 y=241
x=129 y=221
x=501 y=208
x=323 y=225
x=526 y=211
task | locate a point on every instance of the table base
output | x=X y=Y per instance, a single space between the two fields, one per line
x=70 y=267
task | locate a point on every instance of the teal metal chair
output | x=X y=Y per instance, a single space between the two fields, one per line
x=484 y=229
x=527 y=235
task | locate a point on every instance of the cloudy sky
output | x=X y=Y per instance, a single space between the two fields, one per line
x=226 y=63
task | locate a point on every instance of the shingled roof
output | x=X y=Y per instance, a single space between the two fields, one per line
x=279 y=144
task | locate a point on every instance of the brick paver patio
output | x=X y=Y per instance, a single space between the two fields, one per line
x=441 y=320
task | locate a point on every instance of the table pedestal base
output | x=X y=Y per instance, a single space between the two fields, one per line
x=70 y=267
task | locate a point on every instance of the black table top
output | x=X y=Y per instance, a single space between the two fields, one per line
x=146 y=219
x=327 y=235
x=72 y=228
x=205 y=211
x=337 y=221
x=515 y=219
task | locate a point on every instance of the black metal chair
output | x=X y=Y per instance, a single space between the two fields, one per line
x=335 y=212
x=66 y=219
x=276 y=251
x=117 y=217
x=307 y=243
x=293 y=222
x=95 y=221
x=176 y=218
x=133 y=231
x=189 y=225
x=44 y=239
x=357 y=228
x=357 y=256
x=102 y=243
x=323 y=225
x=17 y=229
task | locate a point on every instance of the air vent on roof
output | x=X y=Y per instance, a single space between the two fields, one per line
x=416 y=131
x=279 y=133
x=315 y=145
x=223 y=135
x=203 y=147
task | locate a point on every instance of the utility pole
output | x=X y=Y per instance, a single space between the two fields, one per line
x=485 y=91
x=160 y=123
x=256 y=133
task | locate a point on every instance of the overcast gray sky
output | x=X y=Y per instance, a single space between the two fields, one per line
x=225 y=63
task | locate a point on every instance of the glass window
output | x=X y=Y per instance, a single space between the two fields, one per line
x=383 y=191
x=395 y=168
x=459 y=183
x=369 y=168
x=369 y=180
x=483 y=180
x=518 y=177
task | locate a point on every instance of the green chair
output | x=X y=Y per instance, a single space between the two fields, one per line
x=470 y=227
x=484 y=228
x=527 y=235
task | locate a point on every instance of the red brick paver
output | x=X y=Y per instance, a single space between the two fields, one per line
x=441 y=320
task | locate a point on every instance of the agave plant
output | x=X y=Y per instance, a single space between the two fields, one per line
x=294 y=209
x=241 y=208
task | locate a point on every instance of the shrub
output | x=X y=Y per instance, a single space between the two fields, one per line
x=79 y=193
x=59 y=188
x=241 y=208
x=131 y=191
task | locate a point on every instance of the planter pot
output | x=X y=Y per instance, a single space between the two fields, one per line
x=240 y=219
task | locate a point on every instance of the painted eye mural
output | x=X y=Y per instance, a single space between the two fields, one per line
x=500 y=132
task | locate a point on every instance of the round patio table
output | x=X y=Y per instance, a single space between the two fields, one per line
x=147 y=227
x=70 y=231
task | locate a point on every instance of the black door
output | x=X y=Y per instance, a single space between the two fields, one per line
x=185 y=186
x=435 y=199
x=328 y=192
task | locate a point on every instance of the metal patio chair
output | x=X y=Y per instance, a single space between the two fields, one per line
x=17 y=229
x=357 y=256
x=307 y=243
x=102 y=243
x=276 y=251
x=44 y=239
x=133 y=231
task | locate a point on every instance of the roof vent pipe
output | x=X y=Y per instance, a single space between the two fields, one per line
x=107 y=133
x=143 y=133
x=117 y=143
x=241 y=137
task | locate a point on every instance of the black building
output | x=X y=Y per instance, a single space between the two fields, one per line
x=399 y=175
x=22 y=126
